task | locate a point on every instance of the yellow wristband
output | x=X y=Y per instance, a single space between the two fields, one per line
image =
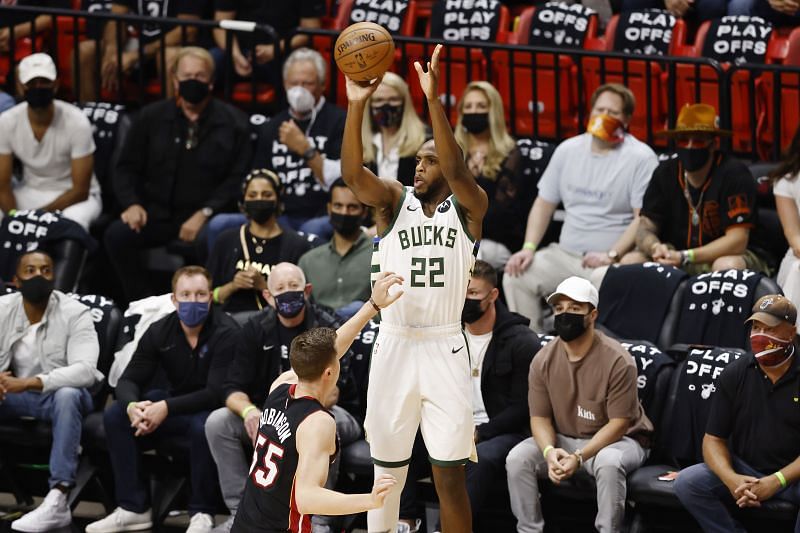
x=129 y=406
x=780 y=477
x=215 y=295
x=547 y=450
x=690 y=255
x=247 y=410
x=529 y=246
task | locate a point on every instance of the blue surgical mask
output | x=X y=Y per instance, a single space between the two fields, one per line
x=193 y=314
x=289 y=304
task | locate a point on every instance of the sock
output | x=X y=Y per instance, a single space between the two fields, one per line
x=385 y=519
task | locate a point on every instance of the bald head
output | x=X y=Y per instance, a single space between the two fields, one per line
x=285 y=277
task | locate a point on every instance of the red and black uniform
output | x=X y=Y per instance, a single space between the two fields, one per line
x=268 y=504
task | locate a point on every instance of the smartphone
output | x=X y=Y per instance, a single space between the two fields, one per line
x=668 y=476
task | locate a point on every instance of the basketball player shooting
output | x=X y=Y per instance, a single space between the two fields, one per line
x=419 y=372
x=297 y=436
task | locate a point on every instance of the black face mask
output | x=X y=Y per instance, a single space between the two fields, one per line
x=387 y=115
x=36 y=290
x=693 y=159
x=472 y=310
x=475 y=122
x=570 y=326
x=193 y=91
x=39 y=97
x=345 y=224
x=259 y=211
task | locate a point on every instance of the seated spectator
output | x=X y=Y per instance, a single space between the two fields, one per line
x=600 y=176
x=339 y=271
x=53 y=141
x=585 y=414
x=494 y=160
x=262 y=353
x=47 y=385
x=242 y=257
x=694 y=11
x=191 y=347
x=755 y=397
x=149 y=37
x=782 y=13
x=254 y=51
x=699 y=207
x=787 y=202
x=21 y=22
x=392 y=132
x=168 y=189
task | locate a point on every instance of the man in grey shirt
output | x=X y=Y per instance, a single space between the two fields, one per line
x=600 y=177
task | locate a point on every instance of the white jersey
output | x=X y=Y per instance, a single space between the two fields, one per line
x=435 y=257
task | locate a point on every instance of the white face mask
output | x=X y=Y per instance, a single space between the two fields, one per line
x=300 y=99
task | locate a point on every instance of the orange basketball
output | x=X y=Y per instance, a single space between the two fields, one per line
x=364 y=51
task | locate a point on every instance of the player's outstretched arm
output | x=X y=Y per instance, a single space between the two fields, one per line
x=347 y=333
x=316 y=442
x=451 y=159
x=367 y=187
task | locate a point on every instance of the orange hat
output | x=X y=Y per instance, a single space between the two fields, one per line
x=696 y=118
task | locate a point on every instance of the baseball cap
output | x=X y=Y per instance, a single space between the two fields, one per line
x=37 y=66
x=578 y=289
x=773 y=309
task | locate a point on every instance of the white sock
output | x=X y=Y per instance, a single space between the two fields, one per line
x=384 y=520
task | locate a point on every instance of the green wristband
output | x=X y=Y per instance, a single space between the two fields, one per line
x=129 y=405
x=690 y=255
x=529 y=246
x=547 y=449
x=247 y=410
x=780 y=477
x=215 y=295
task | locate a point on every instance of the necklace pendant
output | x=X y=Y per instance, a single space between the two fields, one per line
x=260 y=249
x=475 y=373
x=695 y=219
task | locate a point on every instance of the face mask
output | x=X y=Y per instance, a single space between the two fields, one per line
x=606 y=128
x=770 y=351
x=193 y=91
x=289 y=304
x=475 y=122
x=300 y=100
x=387 y=115
x=259 y=211
x=570 y=326
x=693 y=159
x=472 y=310
x=345 y=224
x=36 y=290
x=39 y=97
x=193 y=313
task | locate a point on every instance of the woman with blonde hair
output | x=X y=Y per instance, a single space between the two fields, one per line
x=495 y=161
x=392 y=131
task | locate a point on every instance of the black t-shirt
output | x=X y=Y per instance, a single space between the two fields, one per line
x=228 y=257
x=759 y=419
x=506 y=217
x=728 y=200
x=161 y=9
x=283 y=16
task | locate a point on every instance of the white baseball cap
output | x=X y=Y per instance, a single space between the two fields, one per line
x=578 y=289
x=37 y=66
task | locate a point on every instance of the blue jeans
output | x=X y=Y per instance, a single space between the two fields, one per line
x=64 y=409
x=707 y=498
x=125 y=450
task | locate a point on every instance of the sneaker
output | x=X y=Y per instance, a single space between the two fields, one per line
x=226 y=526
x=201 y=523
x=402 y=527
x=121 y=520
x=52 y=513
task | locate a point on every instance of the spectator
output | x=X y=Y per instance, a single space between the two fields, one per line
x=169 y=189
x=149 y=41
x=255 y=51
x=191 y=347
x=694 y=11
x=21 y=22
x=699 y=207
x=339 y=272
x=585 y=414
x=494 y=160
x=392 y=131
x=243 y=257
x=302 y=144
x=262 y=353
x=600 y=176
x=47 y=385
x=787 y=202
x=755 y=396
x=53 y=141
x=781 y=13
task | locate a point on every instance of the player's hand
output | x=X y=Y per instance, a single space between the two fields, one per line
x=429 y=80
x=251 y=422
x=135 y=217
x=519 y=263
x=595 y=259
x=293 y=137
x=383 y=484
x=358 y=92
x=380 y=292
x=555 y=471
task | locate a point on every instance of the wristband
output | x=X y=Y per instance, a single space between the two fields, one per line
x=247 y=410
x=690 y=255
x=529 y=246
x=215 y=295
x=780 y=477
x=547 y=449
x=374 y=305
x=129 y=406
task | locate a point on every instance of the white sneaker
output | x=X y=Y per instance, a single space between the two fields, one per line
x=402 y=527
x=52 y=513
x=227 y=525
x=121 y=520
x=201 y=523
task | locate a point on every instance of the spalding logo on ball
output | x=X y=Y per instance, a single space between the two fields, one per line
x=364 y=51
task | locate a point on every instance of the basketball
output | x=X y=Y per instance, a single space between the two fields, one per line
x=364 y=51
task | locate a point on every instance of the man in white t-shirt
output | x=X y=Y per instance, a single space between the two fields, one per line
x=600 y=177
x=53 y=140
